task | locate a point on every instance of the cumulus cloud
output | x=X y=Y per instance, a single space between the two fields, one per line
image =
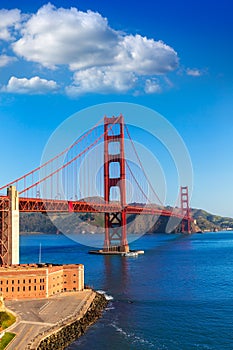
x=35 y=85
x=194 y=72
x=75 y=38
x=102 y=59
x=5 y=60
x=152 y=86
x=9 y=21
x=146 y=56
x=103 y=80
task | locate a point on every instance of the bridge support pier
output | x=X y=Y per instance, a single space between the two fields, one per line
x=9 y=228
x=115 y=231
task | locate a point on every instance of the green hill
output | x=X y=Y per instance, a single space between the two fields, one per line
x=84 y=223
x=207 y=221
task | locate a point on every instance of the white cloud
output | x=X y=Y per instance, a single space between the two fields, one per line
x=5 y=60
x=146 y=56
x=9 y=21
x=152 y=86
x=102 y=80
x=61 y=36
x=35 y=85
x=102 y=58
x=194 y=72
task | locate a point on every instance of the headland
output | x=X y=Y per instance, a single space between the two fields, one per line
x=51 y=304
x=55 y=322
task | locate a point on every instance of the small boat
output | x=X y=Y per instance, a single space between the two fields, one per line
x=128 y=254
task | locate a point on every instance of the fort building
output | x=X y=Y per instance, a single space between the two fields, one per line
x=30 y=281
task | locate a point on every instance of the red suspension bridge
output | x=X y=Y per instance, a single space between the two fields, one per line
x=90 y=176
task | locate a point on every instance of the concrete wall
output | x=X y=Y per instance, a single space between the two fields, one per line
x=60 y=339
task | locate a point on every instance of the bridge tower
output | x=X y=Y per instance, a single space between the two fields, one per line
x=185 y=210
x=115 y=223
x=9 y=228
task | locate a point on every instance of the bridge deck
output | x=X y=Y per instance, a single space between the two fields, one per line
x=57 y=205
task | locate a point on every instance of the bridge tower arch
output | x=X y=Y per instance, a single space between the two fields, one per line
x=115 y=223
x=185 y=210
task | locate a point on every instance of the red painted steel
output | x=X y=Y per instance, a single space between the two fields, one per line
x=115 y=222
x=66 y=164
x=112 y=211
x=185 y=210
x=115 y=211
x=61 y=206
x=142 y=168
x=4 y=223
x=24 y=177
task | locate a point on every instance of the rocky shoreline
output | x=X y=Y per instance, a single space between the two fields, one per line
x=61 y=338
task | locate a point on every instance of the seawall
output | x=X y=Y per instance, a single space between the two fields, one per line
x=59 y=339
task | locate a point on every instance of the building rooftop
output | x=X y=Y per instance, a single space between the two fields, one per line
x=34 y=266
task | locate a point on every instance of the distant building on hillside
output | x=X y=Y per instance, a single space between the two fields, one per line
x=30 y=281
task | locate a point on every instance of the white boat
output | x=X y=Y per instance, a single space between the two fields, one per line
x=130 y=254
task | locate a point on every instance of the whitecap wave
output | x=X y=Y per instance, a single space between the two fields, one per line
x=107 y=296
x=110 y=308
x=133 y=338
x=100 y=291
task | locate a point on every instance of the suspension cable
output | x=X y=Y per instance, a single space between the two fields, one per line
x=135 y=151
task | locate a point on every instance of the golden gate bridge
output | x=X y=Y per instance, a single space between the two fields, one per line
x=92 y=175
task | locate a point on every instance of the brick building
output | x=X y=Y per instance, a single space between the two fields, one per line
x=29 y=281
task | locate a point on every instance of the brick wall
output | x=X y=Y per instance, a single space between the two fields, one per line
x=73 y=277
x=33 y=281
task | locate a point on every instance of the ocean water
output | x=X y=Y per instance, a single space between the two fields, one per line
x=177 y=296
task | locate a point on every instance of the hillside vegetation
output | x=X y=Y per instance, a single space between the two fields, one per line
x=83 y=223
x=207 y=221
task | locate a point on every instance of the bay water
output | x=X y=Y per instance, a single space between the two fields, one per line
x=177 y=296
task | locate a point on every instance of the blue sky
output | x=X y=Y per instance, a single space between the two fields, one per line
x=172 y=56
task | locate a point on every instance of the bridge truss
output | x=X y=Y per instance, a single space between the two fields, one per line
x=56 y=185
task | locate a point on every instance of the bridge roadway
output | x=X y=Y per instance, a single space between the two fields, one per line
x=58 y=205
